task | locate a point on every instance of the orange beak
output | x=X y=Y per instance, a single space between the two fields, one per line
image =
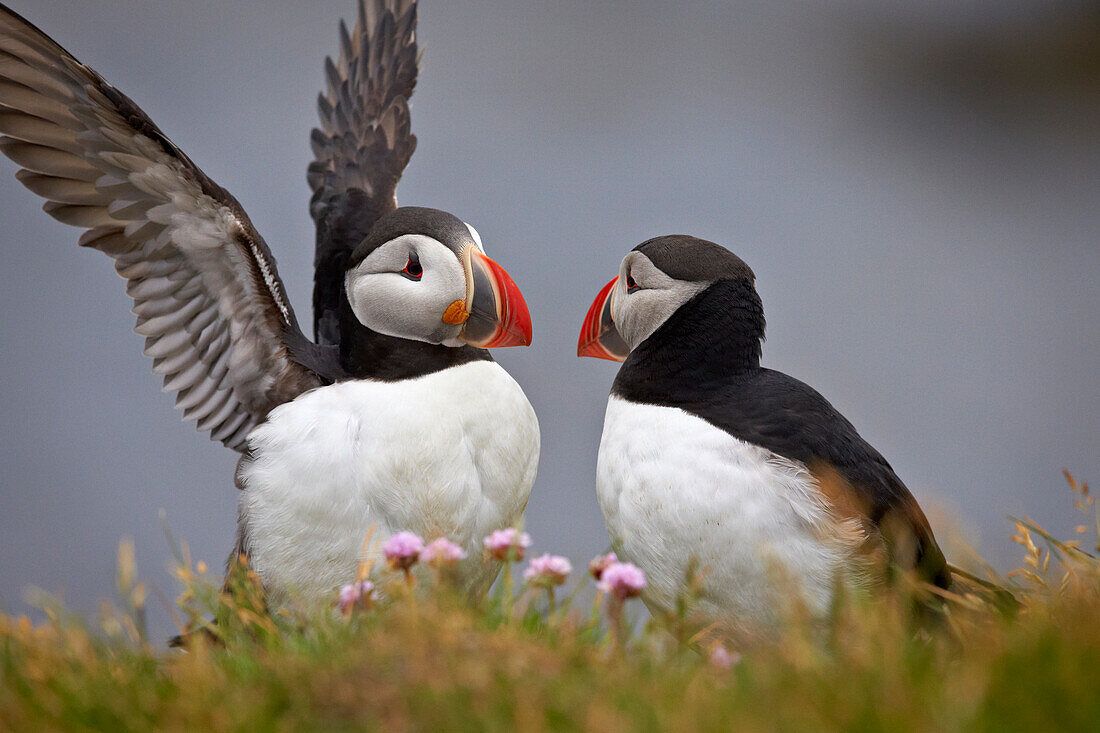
x=496 y=313
x=599 y=338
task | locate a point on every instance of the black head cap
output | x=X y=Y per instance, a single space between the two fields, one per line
x=694 y=260
x=448 y=229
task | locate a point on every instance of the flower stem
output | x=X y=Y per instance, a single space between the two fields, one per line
x=615 y=612
x=410 y=587
x=509 y=599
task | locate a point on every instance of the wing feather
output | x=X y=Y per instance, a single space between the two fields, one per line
x=46 y=160
x=62 y=190
x=205 y=289
x=27 y=127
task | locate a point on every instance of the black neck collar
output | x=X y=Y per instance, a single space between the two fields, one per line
x=367 y=354
x=714 y=336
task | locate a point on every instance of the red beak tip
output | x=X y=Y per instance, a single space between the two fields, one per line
x=514 y=326
x=521 y=319
x=588 y=344
x=595 y=350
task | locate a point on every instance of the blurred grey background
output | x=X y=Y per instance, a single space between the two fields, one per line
x=916 y=184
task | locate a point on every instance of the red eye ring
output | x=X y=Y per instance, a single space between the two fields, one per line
x=631 y=286
x=413 y=270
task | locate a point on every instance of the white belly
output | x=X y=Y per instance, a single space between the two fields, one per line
x=449 y=454
x=673 y=488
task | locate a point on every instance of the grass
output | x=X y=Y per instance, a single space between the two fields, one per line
x=430 y=661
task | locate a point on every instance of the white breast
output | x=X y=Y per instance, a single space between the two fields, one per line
x=674 y=488
x=450 y=454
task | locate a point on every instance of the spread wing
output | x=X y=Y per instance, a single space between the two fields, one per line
x=208 y=299
x=363 y=144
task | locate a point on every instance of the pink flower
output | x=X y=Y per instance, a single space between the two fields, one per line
x=507 y=544
x=722 y=658
x=356 y=593
x=548 y=570
x=622 y=580
x=601 y=563
x=442 y=552
x=402 y=550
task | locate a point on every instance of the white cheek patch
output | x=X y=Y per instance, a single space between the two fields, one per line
x=386 y=301
x=637 y=315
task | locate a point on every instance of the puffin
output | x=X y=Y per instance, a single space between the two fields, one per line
x=394 y=416
x=716 y=471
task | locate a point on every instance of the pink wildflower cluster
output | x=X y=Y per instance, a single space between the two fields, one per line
x=601 y=563
x=622 y=580
x=507 y=544
x=441 y=552
x=723 y=658
x=402 y=550
x=548 y=570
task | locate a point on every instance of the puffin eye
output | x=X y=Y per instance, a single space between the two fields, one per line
x=631 y=286
x=413 y=270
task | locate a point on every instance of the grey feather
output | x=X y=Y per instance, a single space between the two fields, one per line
x=62 y=190
x=50 y=161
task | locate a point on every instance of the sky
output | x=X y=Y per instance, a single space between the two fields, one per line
x=914 y=184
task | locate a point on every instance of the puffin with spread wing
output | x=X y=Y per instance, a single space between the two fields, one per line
x=395 y=417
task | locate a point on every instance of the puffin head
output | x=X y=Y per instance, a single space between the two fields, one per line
x=656 y=279
x=422 y=274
